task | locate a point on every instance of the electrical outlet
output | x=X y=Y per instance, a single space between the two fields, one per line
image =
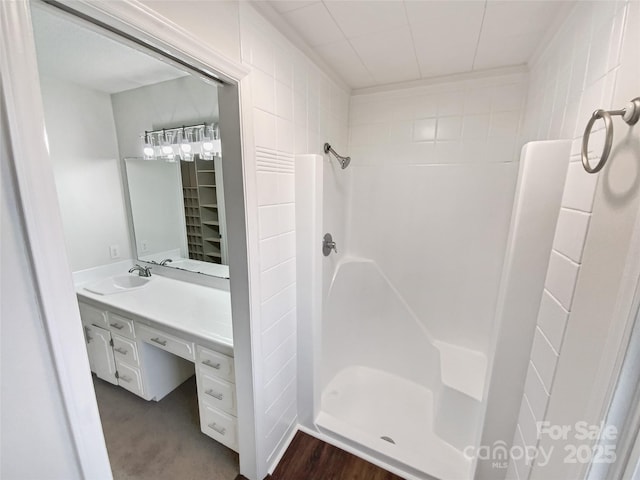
x=144 y=245
x=114 y=250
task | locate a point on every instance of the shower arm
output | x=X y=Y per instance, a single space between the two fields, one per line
x=344 y=161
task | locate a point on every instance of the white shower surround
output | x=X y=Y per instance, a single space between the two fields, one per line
x=372 y=392
x=400 y=384
x=382 y=384
x=432 y=180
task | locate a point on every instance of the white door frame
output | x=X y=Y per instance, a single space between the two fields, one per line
x=40 y=211
x=622 y=382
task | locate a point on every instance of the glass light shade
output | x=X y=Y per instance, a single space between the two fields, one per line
x=147 y=147
x=185 y=147
x=167 y=148
x=149 y=153
x=206 y=145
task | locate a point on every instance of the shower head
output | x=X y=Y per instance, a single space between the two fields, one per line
x=344 y=161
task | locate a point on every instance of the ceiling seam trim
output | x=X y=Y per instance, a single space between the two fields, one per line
x=413 y=41
x=475 y=54
x=349 y=42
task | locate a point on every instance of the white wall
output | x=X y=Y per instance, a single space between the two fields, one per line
x=155 y=196
x=35 y=441
x=433 y=176
x=84 y=153
x=592 y=62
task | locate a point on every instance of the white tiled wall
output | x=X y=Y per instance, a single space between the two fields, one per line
x=296 y=108
x=575 y=75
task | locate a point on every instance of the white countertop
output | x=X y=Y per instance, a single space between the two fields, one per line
x=196 y=310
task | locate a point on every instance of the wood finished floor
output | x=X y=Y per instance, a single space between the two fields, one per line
x=308 y=458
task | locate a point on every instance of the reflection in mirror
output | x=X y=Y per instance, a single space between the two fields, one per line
x=177 y=213
x=167 y=133
x=103 y=100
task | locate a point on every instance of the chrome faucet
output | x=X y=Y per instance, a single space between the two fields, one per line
x=165 y=261
x=142 y=271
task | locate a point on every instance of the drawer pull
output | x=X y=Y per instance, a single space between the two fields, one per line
x=121 y=351
x=220 y=430
x=125 y=378
x=214 y=394
x=159 y=342
x=117 y=325
x=209 y=363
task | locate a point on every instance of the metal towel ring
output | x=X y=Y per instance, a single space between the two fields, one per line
x=630 y=114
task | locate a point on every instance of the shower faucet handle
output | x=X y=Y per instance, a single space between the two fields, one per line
x=328 y=244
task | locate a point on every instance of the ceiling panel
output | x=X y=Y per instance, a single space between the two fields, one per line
x=402 y=40
x=494 y=52
x=445 y=34
x=389 y=56
x=315 y=24
x=447 y=20
x=346 y=63
x=357 y=18
x=435 y=61
x=505 y=18
x=288 y=5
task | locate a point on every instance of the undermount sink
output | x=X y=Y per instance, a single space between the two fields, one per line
x=117 y=284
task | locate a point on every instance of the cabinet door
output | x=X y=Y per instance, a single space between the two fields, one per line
x=100 y=353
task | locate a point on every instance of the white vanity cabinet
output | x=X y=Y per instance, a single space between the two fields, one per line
x=112 y=351
x=217 y=396
x=99 y=349
x=151 y=354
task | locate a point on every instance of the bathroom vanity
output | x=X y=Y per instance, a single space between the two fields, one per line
x=150 y=340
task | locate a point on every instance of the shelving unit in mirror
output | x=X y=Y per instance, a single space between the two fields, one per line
x=202 y=216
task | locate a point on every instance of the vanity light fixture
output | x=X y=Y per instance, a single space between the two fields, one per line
x=183 y=142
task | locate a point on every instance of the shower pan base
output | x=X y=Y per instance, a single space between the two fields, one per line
x=390 y=415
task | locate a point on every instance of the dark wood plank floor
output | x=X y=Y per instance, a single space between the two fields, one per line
x=308 y=458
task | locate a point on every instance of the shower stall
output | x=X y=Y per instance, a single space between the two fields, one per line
x=420 y=317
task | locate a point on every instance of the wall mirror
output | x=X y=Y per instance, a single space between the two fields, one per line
x=150 y=157
x=176 y=192
x=177 y=212
x=168 y=134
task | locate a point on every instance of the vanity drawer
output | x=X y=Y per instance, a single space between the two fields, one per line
x=216 y=363
x=93 y=316
x=129 y=378
x=125 y=350
x=218 y=425
x=217 y=392
x=121 y=325
x=167 y=342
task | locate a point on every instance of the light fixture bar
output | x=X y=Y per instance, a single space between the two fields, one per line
x=175 y=129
